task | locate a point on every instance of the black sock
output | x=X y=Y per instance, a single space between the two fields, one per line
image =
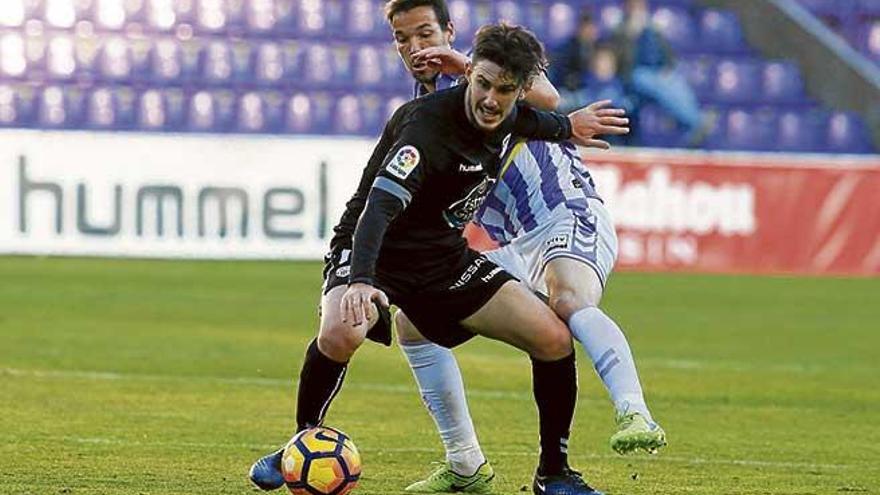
x=319 y=381
x=555 y=387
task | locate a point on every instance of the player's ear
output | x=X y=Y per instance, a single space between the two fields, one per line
x=450 y=32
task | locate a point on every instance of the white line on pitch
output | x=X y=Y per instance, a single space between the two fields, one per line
x=661 y=458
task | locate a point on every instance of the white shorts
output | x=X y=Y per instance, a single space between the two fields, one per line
x=587 y=237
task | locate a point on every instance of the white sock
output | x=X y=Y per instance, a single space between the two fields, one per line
x=439 y=379
x=607 y=346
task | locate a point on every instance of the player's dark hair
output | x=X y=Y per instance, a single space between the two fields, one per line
x=394 y=7
x=513 y=48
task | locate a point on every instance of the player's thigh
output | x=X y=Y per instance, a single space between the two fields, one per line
x=407 y=333
x=336 y=337
x=514 y=315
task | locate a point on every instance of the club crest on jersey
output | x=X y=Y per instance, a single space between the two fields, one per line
x=404 y=162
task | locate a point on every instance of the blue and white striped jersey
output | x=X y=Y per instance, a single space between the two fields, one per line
x=442 y=82
x=537 y=179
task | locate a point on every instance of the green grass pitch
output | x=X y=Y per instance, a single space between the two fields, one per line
x=153 y=377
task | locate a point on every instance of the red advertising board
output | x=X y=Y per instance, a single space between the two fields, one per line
x=745 y=213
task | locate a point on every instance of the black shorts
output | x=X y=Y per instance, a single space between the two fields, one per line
x=337 y=268
x=438 y=309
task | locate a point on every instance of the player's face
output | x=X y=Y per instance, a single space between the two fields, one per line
x=417 y=29
x=491 y=95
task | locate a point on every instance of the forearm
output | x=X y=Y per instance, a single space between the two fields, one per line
x=543 y=94
x=541 y=126
x=381 y=209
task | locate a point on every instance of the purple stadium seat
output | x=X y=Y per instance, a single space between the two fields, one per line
x=252 y=109
x=243 y=61
x=846 y=133
x=700 y=72
x=114 y=60
x=393 y=104
x=361 y=19
x=310 y=17
x=782 y=82
x=656 y=128
x=509 y=11
x=563 y=16
x=60 y=107
x=309 y=113
x=328 y=65
x=273 y=111
x=460 y=12
x=868 y=39
x=107 y=14
x=13 y=61
x=59 y=13
x=60 y=59
x=677 y=27
x=14 y=13
x=720 y=32
x=10 y=107
x=396 y=75
x=800 y=131
x=101 y=109
x=293 y=53
x=753 y=130
x=211 y=15
x=737 y=81
x=610 y=16
x=201 y=109
x=534 y=16
x=368 y=66
x=152 y=111
x=348 y=118
x=166 y=61
x=162 y=14
x=269 y=65
x=216 y=63
x=372 y=113
x=260 y=16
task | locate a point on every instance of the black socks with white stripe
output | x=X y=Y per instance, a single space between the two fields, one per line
x=555 y=388
x=319 y=381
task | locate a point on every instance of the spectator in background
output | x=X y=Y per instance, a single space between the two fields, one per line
x=647 y=64
x=570 y=62
x=602 y=82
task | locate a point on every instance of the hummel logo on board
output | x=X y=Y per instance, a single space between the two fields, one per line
x=464 y=167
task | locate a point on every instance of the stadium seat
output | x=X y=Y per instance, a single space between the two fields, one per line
x=396 y=76
x=165 y=61
x=114 y=59
x=59 y=13
x=17 y=104
x=216 y=63
x=60 y=107
x=846 y=133
x=269 y=65
x=700 y=72
x=373 y=113
x=260 y=17
x=610 y=17
x=348 y=118
x=799 y=130
x=110 y=108
x=14 y=13
x=310 y=18
x=13 y=62
x=677 y=27
x=251 y=113
x=211 y=15
x=309 y=114
x=161 y=110
x=737 y=81
x=656 y=128
x=365 y=19
x=563 y=16
x=750 y=129
x=211 y=111
x=161 y=15
x=509 y=11
x=720 y=32
x=368 y=69
x=393 y=104
x=60 y=59
x=867 y=39
x=782 y=83
x=460 y=12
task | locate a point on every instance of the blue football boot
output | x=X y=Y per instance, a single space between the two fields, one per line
x=266 y=472
x=568 y=483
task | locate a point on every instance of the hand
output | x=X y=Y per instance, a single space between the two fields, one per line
x=357 y=303
x=598 y=118
x=446 y=60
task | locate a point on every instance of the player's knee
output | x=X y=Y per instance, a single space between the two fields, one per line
x=554 y=344
x=339 y=342
x=407 y=333
x=565 y=302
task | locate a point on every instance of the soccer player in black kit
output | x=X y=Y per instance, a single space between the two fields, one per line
x=427 y=175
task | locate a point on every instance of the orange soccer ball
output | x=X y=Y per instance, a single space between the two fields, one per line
x=321 y=461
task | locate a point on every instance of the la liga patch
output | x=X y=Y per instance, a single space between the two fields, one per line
x=404 y=162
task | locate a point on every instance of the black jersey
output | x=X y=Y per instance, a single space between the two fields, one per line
x=436 y=165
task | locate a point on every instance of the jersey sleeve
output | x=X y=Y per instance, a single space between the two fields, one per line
x=540 y=125
x=406 y=166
